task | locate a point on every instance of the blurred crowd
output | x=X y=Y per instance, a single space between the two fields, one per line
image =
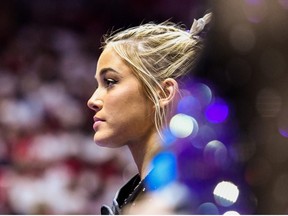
x=49 y=163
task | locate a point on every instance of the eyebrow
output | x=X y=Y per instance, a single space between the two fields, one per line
x=105 y=70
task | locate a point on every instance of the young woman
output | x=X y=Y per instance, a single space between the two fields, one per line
x=138 y=86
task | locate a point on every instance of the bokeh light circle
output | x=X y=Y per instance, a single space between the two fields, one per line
x=226 y=193
x=217 y=112
x=268 y=102
x=182 y=125
x=189 y=105
x=202 y=92
x=207 y=208
x=231 y=213
x=164 y=170
x=242 y=38
x=215 y=153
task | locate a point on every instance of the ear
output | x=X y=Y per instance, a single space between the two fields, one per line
x=170 y=87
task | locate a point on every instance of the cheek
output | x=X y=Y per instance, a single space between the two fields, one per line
x=125 y=96
x=130 y=106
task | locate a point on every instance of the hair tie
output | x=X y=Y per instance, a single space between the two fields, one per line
x=199 y=25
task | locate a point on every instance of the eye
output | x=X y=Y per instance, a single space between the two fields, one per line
x=109 y=82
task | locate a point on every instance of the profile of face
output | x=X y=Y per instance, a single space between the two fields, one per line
x=123 y=113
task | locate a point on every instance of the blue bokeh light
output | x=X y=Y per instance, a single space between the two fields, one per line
x=202 y=92
x=208 y=208
x=164 y=171
x=189 y=105
x=168 y=137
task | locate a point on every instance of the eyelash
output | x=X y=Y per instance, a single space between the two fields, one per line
x=109 y=82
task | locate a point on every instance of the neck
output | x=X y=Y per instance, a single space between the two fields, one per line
x=143 y=152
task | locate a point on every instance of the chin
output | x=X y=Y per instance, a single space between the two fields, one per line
x=105 y=142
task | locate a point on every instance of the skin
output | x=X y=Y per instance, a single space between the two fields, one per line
x=123 y=113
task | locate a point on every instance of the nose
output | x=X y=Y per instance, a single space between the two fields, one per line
x=94 y=103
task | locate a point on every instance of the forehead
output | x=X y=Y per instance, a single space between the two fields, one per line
x=109 y=58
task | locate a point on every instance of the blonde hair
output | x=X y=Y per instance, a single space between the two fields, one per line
x=156 y=52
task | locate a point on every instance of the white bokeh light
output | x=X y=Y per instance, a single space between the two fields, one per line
x=182 y=125
x=226 y=193
x=231 y=213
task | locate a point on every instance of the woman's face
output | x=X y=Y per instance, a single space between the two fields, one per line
x=123 y=114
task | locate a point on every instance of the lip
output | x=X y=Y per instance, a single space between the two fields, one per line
x=96 y=119
x=97 y=122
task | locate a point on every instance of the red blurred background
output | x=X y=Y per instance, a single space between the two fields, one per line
x=48 y=52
